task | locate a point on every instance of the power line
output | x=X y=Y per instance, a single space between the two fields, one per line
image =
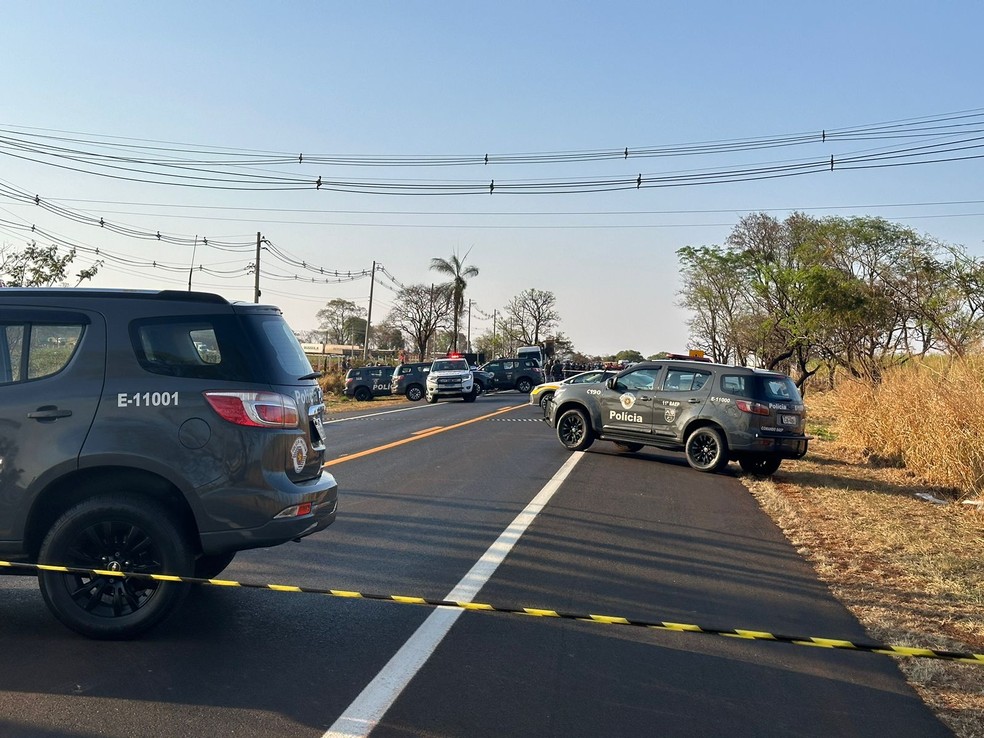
x=952 y=133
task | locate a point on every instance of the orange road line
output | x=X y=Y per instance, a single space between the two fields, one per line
x=419 y=435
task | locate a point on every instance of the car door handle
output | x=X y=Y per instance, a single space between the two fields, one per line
x=49 y=412
x=694 y=400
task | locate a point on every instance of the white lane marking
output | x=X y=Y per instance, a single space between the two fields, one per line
x=368 y=709
x=373 y=415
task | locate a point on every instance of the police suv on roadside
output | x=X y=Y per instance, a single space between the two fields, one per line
x=714 y=413
x=150 y=432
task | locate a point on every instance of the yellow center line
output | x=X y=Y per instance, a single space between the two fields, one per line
x=427 y=430
x=420 y=434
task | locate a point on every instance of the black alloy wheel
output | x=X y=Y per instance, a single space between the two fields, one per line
x=574 y=430
x=415 y=392
x=706 y=450
x=114 y=533
x=763 y=466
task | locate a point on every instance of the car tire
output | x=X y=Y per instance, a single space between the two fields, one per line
x=574 y=430
x=628 y=447
x=119 y=533
x=764 y=465
x=706 y=450
x=545 y=400
x=524 y=385
x=414 y=392
x=210 y=566
x=431 y=399
x=363 y=394
x=470 y=397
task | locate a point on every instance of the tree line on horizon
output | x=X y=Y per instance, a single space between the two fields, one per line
x=808 y=294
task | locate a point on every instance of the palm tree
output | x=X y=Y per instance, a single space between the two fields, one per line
x=455 y=268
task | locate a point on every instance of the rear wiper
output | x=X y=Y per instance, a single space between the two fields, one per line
x=312 y=375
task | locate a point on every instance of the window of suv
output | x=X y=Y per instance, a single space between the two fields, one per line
x=685 y=380
x=641 y=379
x=202 y=348
x=36 y=350
x=770 y=388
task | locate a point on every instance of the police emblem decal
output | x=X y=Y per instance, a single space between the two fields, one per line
x=298 y=454
x=627 y=400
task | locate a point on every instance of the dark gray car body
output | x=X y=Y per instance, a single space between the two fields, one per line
x=410 y=379
x=758 y=415
x=116 y=417
x=366 y=382
x=522 y=374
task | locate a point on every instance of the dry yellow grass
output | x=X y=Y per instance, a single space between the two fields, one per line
x=927 y=417
x=908 y=569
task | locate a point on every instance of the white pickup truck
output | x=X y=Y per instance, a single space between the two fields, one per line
x=450 y=378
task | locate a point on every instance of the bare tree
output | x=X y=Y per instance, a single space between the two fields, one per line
x=420 y=312
x=531 y=313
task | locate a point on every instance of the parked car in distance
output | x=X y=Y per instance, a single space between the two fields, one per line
x=484 y=381
x=410 y=380
x=514 y=373
x=542 y=394
x=365 y=382
x=450 y=378
x=531 y=352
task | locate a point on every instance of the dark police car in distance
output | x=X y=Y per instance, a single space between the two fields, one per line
x=365 y=382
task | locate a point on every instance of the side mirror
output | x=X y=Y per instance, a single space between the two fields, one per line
x=610 y=383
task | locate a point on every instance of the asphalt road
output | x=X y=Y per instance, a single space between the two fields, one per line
x=465 y=500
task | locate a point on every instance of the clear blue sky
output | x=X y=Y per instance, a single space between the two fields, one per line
x=442 y=78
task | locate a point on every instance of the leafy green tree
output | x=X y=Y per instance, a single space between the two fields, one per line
x=334 y=320
x=40 y=266
x=460 y=273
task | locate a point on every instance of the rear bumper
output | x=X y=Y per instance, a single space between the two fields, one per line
x=788 y=447
x=322 y=493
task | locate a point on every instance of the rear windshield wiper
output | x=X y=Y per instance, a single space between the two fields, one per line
x=312 y=375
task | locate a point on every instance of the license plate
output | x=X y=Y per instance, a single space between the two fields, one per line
x=789 y=419
x=320 y=428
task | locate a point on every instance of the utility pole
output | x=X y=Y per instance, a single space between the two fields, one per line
x=191 y=269
x=256 y=272
x=372 y=283
x=469 y=325
x=493 y=332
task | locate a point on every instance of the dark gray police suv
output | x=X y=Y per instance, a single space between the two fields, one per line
x=152 y=432
x=714 y=413
x=365 y=382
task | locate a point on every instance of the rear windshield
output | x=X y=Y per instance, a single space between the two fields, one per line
x=251 y=348
x=770 y=388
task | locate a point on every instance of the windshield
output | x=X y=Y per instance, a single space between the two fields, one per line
x=456 y=365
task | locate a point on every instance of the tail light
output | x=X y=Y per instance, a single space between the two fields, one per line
x=261 y=409
x=755 y=408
